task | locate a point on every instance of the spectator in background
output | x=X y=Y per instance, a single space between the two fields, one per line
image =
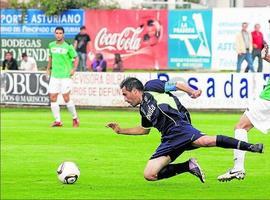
x=99 y=64
x=118 y=63
x=9 y=63
x=28 y=63
x=244 y=48
x=258 y=44
x=81 y=44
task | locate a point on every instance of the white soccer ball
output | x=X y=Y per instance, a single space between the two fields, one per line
x=68 y=172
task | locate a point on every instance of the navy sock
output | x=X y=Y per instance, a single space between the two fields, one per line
x=173 y=169
x=232 y=143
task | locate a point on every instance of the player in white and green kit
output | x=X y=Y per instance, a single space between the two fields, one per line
x=266 y=92
x=257 y=115
x=63 y=62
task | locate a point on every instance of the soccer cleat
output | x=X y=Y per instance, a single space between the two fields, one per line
x=76 y=122
x=230 y=174
x=256 y=148
x=195 y=169
x=56 y=124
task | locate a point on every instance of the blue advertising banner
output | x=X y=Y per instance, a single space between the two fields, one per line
x=189 y=43
x=35 y=24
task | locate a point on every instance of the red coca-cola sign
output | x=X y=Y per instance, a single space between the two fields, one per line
x=139 y=36
x=127 y=40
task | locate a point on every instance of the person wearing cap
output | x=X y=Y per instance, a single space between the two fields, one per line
x=28 y=63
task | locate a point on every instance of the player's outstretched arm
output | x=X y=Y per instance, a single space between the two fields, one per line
x=128 y=131
x=190 y=91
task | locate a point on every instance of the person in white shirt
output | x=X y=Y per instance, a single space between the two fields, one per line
x=28 y=63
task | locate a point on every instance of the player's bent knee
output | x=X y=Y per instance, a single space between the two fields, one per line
x=244 y=123
x=150 y=176
x=239 y=126
x=53 y=98
x=66 y=98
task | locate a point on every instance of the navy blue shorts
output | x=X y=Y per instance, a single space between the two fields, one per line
x=177 y=141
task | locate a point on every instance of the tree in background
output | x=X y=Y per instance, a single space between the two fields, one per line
x=55 y=7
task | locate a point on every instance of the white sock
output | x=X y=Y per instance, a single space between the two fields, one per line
x=71 y=108
x=56 y=111
x=239 y=156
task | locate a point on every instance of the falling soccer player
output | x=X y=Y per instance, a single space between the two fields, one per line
x=160 y=110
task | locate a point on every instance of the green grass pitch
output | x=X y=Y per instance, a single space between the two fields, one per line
x=112 y=165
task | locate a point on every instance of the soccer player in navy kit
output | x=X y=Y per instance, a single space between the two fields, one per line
x=160 y=110
x=156 y=85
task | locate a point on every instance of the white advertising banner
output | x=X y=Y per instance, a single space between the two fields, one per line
x=219 y=90
x=227 y=23
x=101 y=89
x=27 y=88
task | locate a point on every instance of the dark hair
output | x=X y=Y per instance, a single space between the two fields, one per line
x=9 y=52
x=117 y=58
x=99 y=56
x=131 y=83
x=82 y=27
x=24 y=55
x=59 y=28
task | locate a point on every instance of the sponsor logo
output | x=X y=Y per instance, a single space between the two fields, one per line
x=28 y=88
x=150 y=111
x=190 y=29
x=128 y=40
x=59 y=50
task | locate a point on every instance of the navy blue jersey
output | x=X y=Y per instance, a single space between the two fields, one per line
x=159 y=110
x=162 y=110
x=159 y=86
